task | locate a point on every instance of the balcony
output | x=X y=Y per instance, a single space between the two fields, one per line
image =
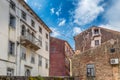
x=30 y=41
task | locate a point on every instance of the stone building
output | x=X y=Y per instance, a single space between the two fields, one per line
x=97 y=55
x=93 y=37
x=60 y=57
x=24 y=40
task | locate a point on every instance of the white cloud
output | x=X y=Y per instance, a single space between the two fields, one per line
x=58 y=12
x=87 y=11
x=37 y=5
x=113 y=15
x=76 y=30
x=108 y=26
x=62 y=22
x=25 y=0
x=52 y=10
x=55 y=32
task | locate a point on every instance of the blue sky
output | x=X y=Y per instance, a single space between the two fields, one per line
x=67 y=18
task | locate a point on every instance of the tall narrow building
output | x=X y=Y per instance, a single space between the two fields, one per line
x=24 y=40
x=60 y=57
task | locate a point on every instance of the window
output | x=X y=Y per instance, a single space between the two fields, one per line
x=40 y=39
x=40 y=29
x=11 y=47
x=23 y=31
x=27 y=72
x=32 y=58
x=46 y=63
x=96 y=31
x=12 y=21
x=12 y=5
x=10 y=72
x=33 y=37
x=32 y=23
x=90 y=70
x=96 y=42
x=46 y=46
x=46 y=36
x=40 y=61
x=23 y=53
x=23 y=14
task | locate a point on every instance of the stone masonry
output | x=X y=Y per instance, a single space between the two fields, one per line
x=99 y=56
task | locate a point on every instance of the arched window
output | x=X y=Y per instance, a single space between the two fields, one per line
x=23 y=31
x=27 y=72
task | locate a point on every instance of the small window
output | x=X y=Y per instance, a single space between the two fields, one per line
x=23 y=14
x=97 y=42
x=40 y=29
x=46 y=63
x=11 y=47
x=23 y=30
x=96 y=31
x=90 y=70
x=12 y=5
x=40 y=60
x=23 y=53
x=10 y=72
x=46 y=46
x=32 y=23
x=12 y=21
x=46 y=36
x=32 y=58
x=40 y=39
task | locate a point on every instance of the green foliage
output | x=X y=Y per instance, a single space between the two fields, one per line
x=36 y=78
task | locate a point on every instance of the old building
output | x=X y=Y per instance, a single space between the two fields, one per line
x=97 y=55
x=93 y=37
x=24 y=40
x=60 y=57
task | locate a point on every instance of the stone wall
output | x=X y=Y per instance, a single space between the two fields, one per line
x=99 y=56
x=83 y=40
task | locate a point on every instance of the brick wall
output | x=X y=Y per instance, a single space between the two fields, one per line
x=57 y=57
x=99 y=56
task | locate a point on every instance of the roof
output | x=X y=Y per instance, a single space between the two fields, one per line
x=25 y=5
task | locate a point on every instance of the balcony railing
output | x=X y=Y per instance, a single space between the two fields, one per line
x=28 y=40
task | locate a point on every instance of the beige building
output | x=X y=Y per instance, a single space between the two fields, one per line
x=24 y=40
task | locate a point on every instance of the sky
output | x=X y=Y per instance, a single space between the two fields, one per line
x=68 y=18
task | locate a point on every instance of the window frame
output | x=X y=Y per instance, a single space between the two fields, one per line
x=96 y=31
x=23 y=15
x=91 y=70
x=23 y=53
x=40 y=29
x=10 y=71
x=13 y=5
x=46 y=46
x=12 y=21
x=97 y=42
x=32 y=23
x=46 y=36
x=32 y=58
x=11 y=48
x=40 y=61
x=46 y=64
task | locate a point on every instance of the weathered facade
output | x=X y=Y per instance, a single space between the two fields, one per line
x=93 y=37
x=99 y=63
x=97 y=55
x=24 y=40
x=60 y=54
